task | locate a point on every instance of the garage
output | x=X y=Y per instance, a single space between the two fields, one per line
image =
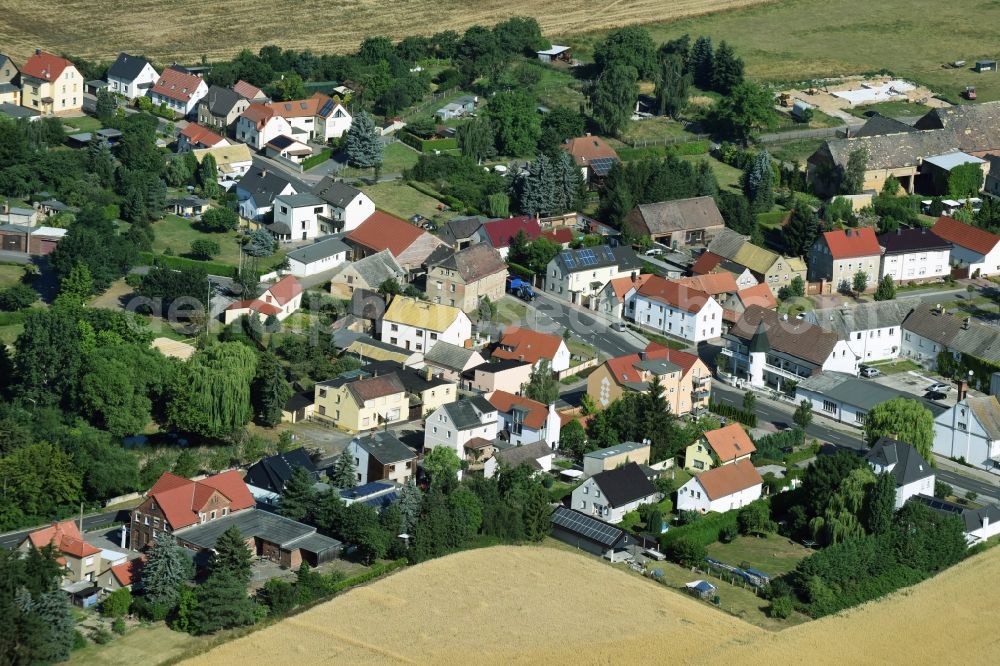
x=13 y=237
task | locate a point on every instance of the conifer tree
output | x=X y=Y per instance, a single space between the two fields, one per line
x=364 y=145
x=701 y=61
x=758 y=183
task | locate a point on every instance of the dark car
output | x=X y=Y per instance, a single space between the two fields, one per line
x=935 y=395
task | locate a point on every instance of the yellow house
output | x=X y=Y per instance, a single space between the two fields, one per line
x=354 y=404
x=10 y=88
x=686 y=380
x=722 y=446
x=51 y=85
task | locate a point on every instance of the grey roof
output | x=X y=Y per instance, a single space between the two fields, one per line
x=624 y=484
x=976 y=127
x=385 y=448
x=878 y=125
x=987 y=411
x=460 y=228
x=949 y=161
x=889 y=151
x=321 y=249
x=524 y=454
x=861 y=393
x=467 y=413
x=972 y=519
x=446 y=355
x=966 y=335
x=285 y=532
x=906 y=465
x=795 y=337
x=864 y=317
x=368 y=304
x=624 y=447
x=680 y=215
x=220 y=101
x=627 y=258
x=8 y=87
x=727 y=243
x=301 y=200
x=473 y=263
x=273 y=472
x=589 y=528
x=335 y=193
x=15 y=111
x=127 y=67
x=377 y=268
x=264 y=183
x=903 y=241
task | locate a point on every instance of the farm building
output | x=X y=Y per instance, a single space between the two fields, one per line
x=591 y=534
x=555 y=53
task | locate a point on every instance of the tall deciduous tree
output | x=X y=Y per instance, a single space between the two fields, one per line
x=76 y=288
x=364 y=145
x=475 y=139
x=671 y=86
x=758 y=182
x=442 y=463
x=211 y=394
x=558 y=126
x=745 y=111
x=516 y=122
x=613 y=97
x=629 y=47
x=542 y=384
x=853 y=180
x=903 y=420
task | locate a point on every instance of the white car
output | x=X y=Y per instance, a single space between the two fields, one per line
x=655 y=252
x=939 y=387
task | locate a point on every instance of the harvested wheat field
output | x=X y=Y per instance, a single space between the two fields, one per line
x=187 y=29
x=543 y=605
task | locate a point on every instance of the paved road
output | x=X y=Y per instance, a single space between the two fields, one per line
x=552 y=315
x=823 y=430
x=89 y=522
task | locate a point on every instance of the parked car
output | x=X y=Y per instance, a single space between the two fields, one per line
x=618 y=326
x=655 y=252
x=939 y=387
x=869 y=372
x=935 y=395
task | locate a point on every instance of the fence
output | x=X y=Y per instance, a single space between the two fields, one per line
x=576 y=369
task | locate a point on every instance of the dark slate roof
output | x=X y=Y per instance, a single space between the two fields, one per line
x=385 y=447
x=863 y=317
x=525 y=454
x=335 y=193
x=794 y=337
x=907 y=465
x=273 y=472
x=321 y=249
x=972 y=519
x=369 y=304
x=414 y=381
x=377 y=268
x=281 y=142
x=127 y=67
x=903 y=241
x=727 y=243
x=467 y=413
x=461 y=227
x=287 y=533
x=220 y=100
x=624 y=484
x=861 y=393
x=889 y=151
x=976 y=127
x=587 y=527
x=977 y=340
x=499 y=365
x=878 y=125
x=298 y=401
x=265 y=184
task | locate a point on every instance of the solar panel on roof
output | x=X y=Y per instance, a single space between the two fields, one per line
x=567 y=258
x=608 y=254
x=586 y=526
x=327 y=107
x=587 y=257
x=602 y=165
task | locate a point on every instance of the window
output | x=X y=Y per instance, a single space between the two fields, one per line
x=451 y=288
x=225 y=512
x=586 y=490
x=322 y=393
x=961 y=426
x=146 y=520
x=356 y=462
x=435 y=430
x=829 y=406
x=393 y=327
x=212 y=517
x=322 y=410
x=859 y=417
x=434 y=336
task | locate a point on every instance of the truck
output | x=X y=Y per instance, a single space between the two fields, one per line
x=520 y=288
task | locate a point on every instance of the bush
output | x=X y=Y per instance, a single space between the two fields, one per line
x=204 y=248
x=17 y=297
x=728 y=533
x=181 y=263
x=118 y=626
x=78 y=640
x=735 y=413
x=704 y=530
x=781 y=608
x=117 y=604
x=219 y=219
x=686 y=552
x=101 y=636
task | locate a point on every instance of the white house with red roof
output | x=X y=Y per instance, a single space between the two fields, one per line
x=617 y=294
x=721 y=489
x=196 y=137
x=81 y=560
x=524 y=344
x=674 y=308
x=838 y=255
x=259 y=125
x=50 y=84
x=526 y=421
x=179 y=90
x=970 y=246
x=280 y=300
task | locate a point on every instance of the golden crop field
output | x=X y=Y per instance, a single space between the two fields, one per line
x=187 y=29
x=531 y=605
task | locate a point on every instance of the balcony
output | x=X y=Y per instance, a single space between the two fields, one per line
x=700 y=394
x=699 y=382
x=781 y=372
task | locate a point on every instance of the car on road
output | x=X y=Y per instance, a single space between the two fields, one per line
x=869 y=372
x=618 y=326
x=935 y=395
x=939 y=387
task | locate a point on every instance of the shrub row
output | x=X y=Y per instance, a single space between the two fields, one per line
x=319 y=158
x=522 y=272
x=748 y=419
x=450 y=201
x=428 y=145
x=704 y=530
x=179 y=263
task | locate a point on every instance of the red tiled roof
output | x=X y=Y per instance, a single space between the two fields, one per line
x=535 y=414
x=713 y=283
x=562 y=235
x=180 y=498
x=622 y=368
x=45 y=66
x=730 y=442
x=300 y=108
x=848 y=243
x=706 y=263
x=501 y=232
x=622 y=285
x=176 y=84
x=382 y=231
x=65 y=537
x=586 y=149
x=527 y=345
x=259 y=114
x=195 y=133
x=759 y=294
x=728 y=479
x=964 y=235
x=675 y=293
x=247 y=90
x=256 y=306
x=285 y=289
x=128 y=572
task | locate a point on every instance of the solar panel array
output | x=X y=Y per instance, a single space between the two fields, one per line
x=567 y=257
x=591 y=528
x=608 y=254
x=602 y=165
x=586 y=257
x=327 y=107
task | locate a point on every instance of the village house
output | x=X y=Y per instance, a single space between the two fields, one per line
x=452 y=362
x=765 y=266
x=497 y=375
x=280 y=300
x=196 y=137
x=250 y=92
x=50 y=84
x=356 y=403
x=10 y=81
x=671 y=307
x=723 y=446
x=123 y=575
x=848 y=398
x=324 y=255
x=408 y=243
x=456 y=424
x=525 y=420
x=80 y=560
x=500 y=233
x=678 y=224
x=425 y=391
x=616 y=456
x=610 y=495
x=618 y=293
x=317 y=118
x=288 y=150
x=685 y=378
x=366 y=273
x=464 y=278
x=593 y=155
x=913 y=475
x=257 y=190
x=259 y=124
x=380 y=456
x=299 y=217
x=529 y=346
x=710 y=263
x=232 y=162
x=266 y=478
x=462 y=232
x=872 y=331
x=761 y=296
x=972 y=247
x=914 y=255
x=179 y=90
x=344 y=207
x=221 y=107
x=579 y=275
x=591 y=534
x=768 y=349
x=537 y=456
x=131 y=76
x=721 y=489
x=970 y=431
x=838 y=255
x=417 y=325
x=979 y=524
x=928 y=330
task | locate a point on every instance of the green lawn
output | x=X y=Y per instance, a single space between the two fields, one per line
x=8 y=334
x=653 y=129
x=177 y=233
x=771 y=219
x=395 y=158
x=774 y=554
x=558 y=87
x=83 y=124
x=10 y=274
x=728 y=177
x=896 y=367
x=147 y=645
x=578 y=348
x=891 y=109
x=511 y=311
x=399 y=199
x=792 y=151
x=660 y=339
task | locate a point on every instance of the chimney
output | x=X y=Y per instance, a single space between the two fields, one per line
x=986 y=521
x=965 y=324
x=428 y=374
x=899 y=231
x=963 y=389
x=38 y=52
